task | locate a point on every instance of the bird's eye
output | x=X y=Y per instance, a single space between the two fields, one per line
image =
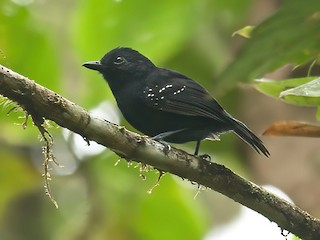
x=119 y=60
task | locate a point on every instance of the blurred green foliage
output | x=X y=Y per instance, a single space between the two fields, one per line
x=49 y=40
x=291 y=35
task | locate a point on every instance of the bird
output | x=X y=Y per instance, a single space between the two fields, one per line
x=165 y=104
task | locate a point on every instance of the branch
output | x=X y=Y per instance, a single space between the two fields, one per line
x=42 y=103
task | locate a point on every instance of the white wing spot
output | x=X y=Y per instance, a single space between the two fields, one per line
x=180 y=90
x=162 y=89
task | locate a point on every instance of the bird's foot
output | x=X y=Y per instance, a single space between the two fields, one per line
x=166 y=145
x=205 y=157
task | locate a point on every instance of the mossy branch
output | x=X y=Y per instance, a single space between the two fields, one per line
x=42 y=103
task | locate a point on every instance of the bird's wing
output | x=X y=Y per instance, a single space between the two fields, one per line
x=178 y=94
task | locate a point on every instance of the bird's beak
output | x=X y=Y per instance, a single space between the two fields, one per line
x=94 y=65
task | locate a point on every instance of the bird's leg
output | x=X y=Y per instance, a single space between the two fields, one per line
x=197 y=148
x=204 y=156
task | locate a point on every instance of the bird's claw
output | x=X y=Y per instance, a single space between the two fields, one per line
x=166 y=148
x=205 y=157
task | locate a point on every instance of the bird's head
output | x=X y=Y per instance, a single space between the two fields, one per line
x=121 y=63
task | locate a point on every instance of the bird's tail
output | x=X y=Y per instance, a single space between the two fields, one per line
x=249 y=137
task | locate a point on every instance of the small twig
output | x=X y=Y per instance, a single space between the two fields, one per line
x=200 y=188
x=25 y=123
x=48 y=157
x=143 y=168
x=156 y=184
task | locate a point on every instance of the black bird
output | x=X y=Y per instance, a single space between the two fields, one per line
x=165 y=104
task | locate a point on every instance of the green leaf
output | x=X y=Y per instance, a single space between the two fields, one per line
x=297 y=91
x=309 y=89
x=274 y=88
x=291 y=35
x=306 y=94
x=244 y=32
